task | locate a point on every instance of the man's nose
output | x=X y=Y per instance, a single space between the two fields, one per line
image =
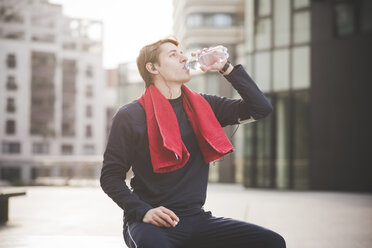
x=183 y=58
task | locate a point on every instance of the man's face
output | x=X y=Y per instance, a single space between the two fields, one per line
x=171 y=66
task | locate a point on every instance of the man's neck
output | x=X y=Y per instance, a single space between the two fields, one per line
x=169 y=90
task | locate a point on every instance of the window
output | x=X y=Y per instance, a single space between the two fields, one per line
x=88 y=111
x=11 y=61
x=11 y=84
x=301 y=156
x=264 y=7
x=10 y=106
x=301 y=67
x=301 y=3
x=281 y=69
x=211 y=20
x=194 y=20
x=11 y=147
x=10 y=127
x=89 y=91
x=68 y=129
x=282 y=140
x=40 y=148
x=88 y=131
x=89 y=71
x=282 y=22
x=67 y=149
x=262 y=71
x=220 y=20
x=263 y=24
x=301 y=27
x=263 y=33
x=89 y=150
x=345 y=19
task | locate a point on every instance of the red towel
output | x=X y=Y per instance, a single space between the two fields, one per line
x=167 y=150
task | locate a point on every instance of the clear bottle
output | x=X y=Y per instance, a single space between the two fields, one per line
x=208 y=58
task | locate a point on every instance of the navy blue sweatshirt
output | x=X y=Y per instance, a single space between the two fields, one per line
x=183 y=190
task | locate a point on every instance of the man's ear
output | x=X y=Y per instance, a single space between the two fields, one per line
x=150 y=67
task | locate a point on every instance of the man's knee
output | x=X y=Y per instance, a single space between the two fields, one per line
x=274 y=240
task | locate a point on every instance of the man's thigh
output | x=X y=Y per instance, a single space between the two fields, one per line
x=147 y=235
x=144 y=235
x=224 y=232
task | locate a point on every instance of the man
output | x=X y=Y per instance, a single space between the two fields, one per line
x=168 y=137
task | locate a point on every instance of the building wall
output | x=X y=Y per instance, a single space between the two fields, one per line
x=341 y=74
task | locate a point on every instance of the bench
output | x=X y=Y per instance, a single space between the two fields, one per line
x=4 y=205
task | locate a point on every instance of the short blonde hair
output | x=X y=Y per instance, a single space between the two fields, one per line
x=150 y=53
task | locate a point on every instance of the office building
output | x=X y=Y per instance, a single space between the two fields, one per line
x=51 y=79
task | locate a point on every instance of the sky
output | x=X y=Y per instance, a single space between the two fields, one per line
x=128 y=24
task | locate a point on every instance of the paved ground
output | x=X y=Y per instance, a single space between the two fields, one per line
x=86 y=217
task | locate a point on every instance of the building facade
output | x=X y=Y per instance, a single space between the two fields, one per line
x=51 y=77
x=311 y=59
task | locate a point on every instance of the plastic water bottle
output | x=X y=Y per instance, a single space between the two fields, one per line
x=208 y=58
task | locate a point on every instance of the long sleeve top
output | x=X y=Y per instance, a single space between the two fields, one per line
x=183 y=190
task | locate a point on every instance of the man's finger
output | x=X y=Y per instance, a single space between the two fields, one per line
x=171 y=214
x=160 y=221
x=168 y=219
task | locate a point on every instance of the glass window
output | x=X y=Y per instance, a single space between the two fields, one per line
x=68 y=128
x=345 y=23
x=88 y=131
x=282 y=21
x=262 y=72
x=89 y=71
x=40 y=148
x=264 y=152
x=249 y=25
x=89 y=91
x=281 y=70
x=264 y=7
x=89 y=150
x=11 y=147
x=89 y=111
x=249 y=168
x=222 y=20
x=366 y=21
x=10 y=127
x=301 y=27
x=11 y=61
x=282 y=140
x=11 y=83
x=194 y=20
x=67 y=149
x=301 y=67
x=263 y=34
x=10 y=106
x=301 y=139
x=301 y=3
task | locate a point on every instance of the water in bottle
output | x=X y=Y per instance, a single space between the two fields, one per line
x=208 y=58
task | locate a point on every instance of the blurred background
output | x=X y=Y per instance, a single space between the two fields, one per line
x=66 y=66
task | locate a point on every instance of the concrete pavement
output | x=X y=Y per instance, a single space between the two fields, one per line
x=86 y=217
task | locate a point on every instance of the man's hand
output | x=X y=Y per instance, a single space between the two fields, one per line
x=161 y=217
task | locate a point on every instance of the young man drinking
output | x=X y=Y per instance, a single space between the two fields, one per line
x=168 y=137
